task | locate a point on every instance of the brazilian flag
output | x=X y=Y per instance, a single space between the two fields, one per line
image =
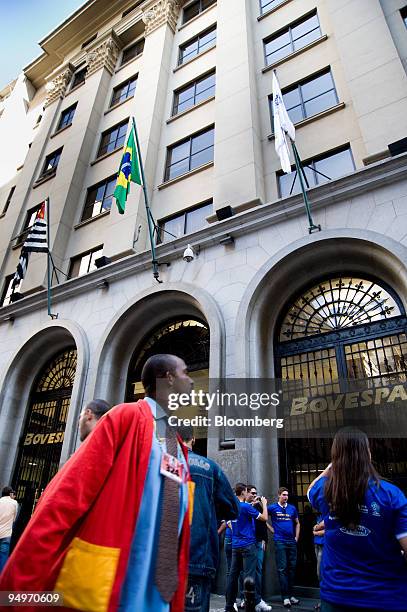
x=129 y=171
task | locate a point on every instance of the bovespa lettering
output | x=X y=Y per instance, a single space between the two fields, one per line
x=354 y=399
x=48 y=438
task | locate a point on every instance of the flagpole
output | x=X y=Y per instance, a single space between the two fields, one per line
x=301 y=175
x=49 y=271
x=156 y=273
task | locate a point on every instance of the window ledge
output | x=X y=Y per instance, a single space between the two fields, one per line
x=185 y=112
x=133 y=59
x=185 y=175
x=44 y=179
x=184 y=25
x=87 y=221
x=308 y=120
x=111 y=108
x=75 y=88
x=194 y=58
x=295 y=53
x=3 y=214
x=272 y=10
x=105 y=155
x=61 y=130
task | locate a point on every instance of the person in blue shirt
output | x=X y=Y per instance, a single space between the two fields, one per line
x=213 y=499
x=244 y=550
x=365 y=520
x=286 y=530
x=318 y=532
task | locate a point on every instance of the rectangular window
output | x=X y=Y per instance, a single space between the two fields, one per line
x=194 y=8
x=28 y=223
x=124 y=91
x=113 y=138
x=186 y=222
x=133 y=51
x=66 y=117
x=318 y=170
x=267 y=5
x=8 y=290
x=7 y=204
x=99 y=198
x=308 y=98
x=79 y=77
x=296 y=36
x=190 y=153
x=197 y=45
x=84 y=263
x=51 y=163
x=403 y=13
x=190 y=95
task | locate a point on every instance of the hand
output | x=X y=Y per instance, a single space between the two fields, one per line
x=296 y=539
x=264 y=500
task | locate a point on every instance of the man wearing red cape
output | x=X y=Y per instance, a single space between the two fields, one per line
x=95 y=534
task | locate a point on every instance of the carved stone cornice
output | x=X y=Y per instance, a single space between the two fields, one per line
x=56 y=86
x=104 y=54
x=162 y=12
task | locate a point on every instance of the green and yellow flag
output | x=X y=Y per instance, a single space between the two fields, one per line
x=129 y=172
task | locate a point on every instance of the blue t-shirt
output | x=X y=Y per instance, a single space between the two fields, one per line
x=364 y=567
x=243 y=530
x=319 y=539
x=283 y=521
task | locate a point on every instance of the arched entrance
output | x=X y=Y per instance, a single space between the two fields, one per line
x=185 y=337
x=343 y=327
x=41 y=442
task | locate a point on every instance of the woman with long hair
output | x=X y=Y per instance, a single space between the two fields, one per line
x=365 y=518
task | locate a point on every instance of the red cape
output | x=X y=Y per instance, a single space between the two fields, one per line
x=95 y=498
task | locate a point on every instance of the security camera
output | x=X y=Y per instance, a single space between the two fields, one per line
x=189 y=254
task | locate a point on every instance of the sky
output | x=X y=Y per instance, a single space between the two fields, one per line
x=23 y=24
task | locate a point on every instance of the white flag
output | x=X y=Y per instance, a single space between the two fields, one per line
x=282 y=126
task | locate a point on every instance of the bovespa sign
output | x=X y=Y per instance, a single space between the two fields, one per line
x=45 y=438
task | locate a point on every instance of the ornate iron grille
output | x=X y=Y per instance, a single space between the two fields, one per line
x=336 y=304
x=41 y=443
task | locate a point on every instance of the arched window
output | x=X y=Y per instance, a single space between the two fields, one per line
x=41 y=442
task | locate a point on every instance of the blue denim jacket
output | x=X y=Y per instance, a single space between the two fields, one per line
x=214 y=500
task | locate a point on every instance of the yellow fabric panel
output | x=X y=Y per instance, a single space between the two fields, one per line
x=121 y=180
x=87 y=576
x=191 y=496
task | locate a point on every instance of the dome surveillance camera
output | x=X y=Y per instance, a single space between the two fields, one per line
x=189 y=254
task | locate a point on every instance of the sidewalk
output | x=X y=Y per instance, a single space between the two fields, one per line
x=306 y=604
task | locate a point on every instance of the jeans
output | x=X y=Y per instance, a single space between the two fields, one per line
x=286 y=560
x=242 y=558
x=4 y=551
x=328 y=607
x=228 y=553
x=198 y=594
x=259 y=568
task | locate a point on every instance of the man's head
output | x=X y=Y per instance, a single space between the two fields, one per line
x=251 y=493
x=241 y=491
x=163 y=375
x=8 y=492
x=283 y=495
x=187 y=435
x=90 y=416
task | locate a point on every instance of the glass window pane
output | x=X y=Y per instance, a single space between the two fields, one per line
x=178 y=168
x=191 y=11
x=304 y=27
x=186 y=94
x=93 y=256
x=196 y=219
x=202 y=157
x=189 y=51
x=205 y=83
x=204 y=95
x=179 y=152
x=280 y=41
x=335 y=165
x=206 y=4
x=319 y=85
x=174 y=228
x=296 y=114
x=291 y=98
x=321 y=103
x=202 y=141
x=305 y=40
x=84 y=264
x=207 y=40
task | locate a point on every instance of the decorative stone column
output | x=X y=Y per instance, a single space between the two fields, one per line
x=163 y=11
x=56 y=86
x=104 y=54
